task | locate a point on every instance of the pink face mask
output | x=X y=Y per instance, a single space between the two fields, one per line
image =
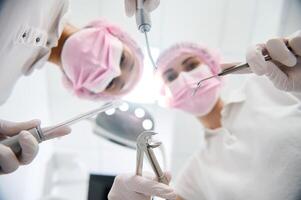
x=90 y=59
x=179 y=92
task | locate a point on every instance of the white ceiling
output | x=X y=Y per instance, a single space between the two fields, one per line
x=230 y=25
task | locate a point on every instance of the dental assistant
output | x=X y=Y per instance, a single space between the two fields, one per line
x=31 y=34
x=252 y=136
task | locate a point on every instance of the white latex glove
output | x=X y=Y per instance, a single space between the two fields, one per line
x=284 y=70
x=129 y=187
x=9 y=162
x=130 y=6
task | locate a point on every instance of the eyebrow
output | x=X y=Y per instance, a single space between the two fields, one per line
x=186 y=60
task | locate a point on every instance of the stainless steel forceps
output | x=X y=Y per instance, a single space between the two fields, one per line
x=145 y=145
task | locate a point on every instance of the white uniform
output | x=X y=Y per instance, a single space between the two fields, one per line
x=257 y=153
x=29 y=29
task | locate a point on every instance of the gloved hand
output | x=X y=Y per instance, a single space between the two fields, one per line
x=10 y=162
x=149 y=5
x=284 y=70
x=129 y=187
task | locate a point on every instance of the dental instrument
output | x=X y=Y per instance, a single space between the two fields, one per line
x=43 y=134
x=144 y=25
x=145 y=145
x=227 y=71
x=235 y=68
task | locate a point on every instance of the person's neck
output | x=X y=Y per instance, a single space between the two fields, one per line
x=55 y=56
x=213 y=119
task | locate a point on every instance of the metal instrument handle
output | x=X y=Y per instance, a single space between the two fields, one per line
x=142 y=18
x=155 y=165
x=13 y=142
x=234 y=69
x=139 y=162
x=239 y=67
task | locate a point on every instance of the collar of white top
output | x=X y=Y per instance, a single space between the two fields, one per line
x=235 y=97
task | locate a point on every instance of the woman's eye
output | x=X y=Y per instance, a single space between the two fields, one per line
x=110 y=84
x=191 y=66
x=171 y=77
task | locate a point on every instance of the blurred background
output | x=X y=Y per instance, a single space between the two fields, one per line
x=63 y=167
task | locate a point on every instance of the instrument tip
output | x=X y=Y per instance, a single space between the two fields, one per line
x=196 y=88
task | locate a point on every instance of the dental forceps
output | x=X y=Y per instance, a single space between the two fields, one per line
x=144 y=25
x=145 y=145
x=227 y=71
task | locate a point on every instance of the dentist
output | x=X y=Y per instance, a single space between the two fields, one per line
x=31 y=34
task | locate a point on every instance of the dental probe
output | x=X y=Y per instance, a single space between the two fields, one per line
x=42 y=134
x=235 y=68
x=227 y=71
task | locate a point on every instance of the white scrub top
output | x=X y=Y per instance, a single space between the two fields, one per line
x=29 y=29
x=257 y=153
